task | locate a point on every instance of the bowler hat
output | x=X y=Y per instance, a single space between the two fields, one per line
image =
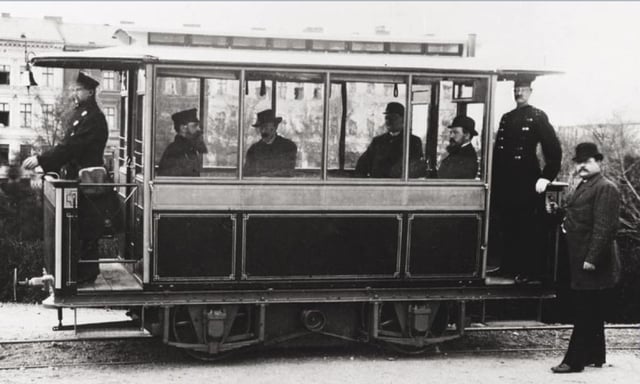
x=586 y=150
x=394 y=107
x=466 y=123
x=87 y=81
x=186 y=116
x=267 y=116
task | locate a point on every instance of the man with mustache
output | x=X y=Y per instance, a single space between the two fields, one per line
x=591 y=217
x=461 y=161
x=82 y=148
x=518 y=185
x=183 y=157
x=273 y=155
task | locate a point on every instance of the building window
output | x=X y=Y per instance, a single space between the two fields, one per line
x=4 y=154
x=4 y=114
x=47 y=77
x=317 y=93
x=5 y=74
x=298 y=93
x=109 y=80
x=25 y=151
x=110 y=114
x=193 y=87
x=47 y=115
x=170 y=87
x=25 y=115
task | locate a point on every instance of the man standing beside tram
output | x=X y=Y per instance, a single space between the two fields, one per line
x=518 y=184
x=383 y=157
x=81 y=148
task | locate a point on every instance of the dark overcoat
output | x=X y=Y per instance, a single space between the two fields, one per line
x=516 y=168
x=183 y=157
x=591 y=221
x=275 y=159
x=83 y=143
x=460 y=164
x=383 y=157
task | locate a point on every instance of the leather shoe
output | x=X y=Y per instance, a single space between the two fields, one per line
x=565 y=368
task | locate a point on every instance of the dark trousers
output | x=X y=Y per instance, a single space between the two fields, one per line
x=587 y=345
x=517 y=239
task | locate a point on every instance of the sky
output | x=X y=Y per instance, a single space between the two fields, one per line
x=594 y=43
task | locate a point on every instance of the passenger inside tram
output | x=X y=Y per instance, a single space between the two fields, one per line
x=273 y=155
x=183 y=157
x=460 y=161
x=383 y=157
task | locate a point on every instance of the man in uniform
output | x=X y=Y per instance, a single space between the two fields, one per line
x=591 y=217
x=518 y=184
x=383 y=157
x=461 y=161
x=82 y=147
x=273 y=155
x=183 y=157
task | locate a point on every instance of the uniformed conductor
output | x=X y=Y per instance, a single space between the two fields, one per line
x=85 y=137
x=518 y=185
x=82 y=147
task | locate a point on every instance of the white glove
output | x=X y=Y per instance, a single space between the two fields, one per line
x=30 y=162
x=541 y=185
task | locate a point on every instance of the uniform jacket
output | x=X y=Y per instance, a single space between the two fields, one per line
x=275 y=159
x=181 y=158
x=383 y=157
x=83 y=143
x=515 y=164
x=462 y=163
x=591 y=222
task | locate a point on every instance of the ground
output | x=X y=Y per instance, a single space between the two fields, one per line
x=149 y=361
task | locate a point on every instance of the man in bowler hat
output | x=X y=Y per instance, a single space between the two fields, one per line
x=461 y=161
x=383 y=157
x=183 y=157
x=591 y=217
x=82 y=147
x=518 y=184
x=273 y=155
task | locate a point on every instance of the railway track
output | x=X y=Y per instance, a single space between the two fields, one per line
x=145 y=350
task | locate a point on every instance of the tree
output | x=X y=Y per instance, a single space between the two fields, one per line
x=51 y=130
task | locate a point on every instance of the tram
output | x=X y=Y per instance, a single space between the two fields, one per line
x=225 y=260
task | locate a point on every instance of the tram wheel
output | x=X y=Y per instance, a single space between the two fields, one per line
x=184 y=332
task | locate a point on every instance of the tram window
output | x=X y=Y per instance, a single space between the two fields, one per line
x=357 y=116
x=222 y=123
x=435 y=105
x=297 y=105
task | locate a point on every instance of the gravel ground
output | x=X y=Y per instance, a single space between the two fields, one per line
x=149 y=361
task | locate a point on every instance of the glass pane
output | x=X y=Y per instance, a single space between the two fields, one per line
x=221 y=130
x=283 y=137
x=453 y=137
x=365 y=130
x=178 y=145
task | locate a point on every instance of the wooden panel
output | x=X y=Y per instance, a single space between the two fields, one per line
x=318 y=197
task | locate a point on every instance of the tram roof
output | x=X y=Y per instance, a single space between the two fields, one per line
x=133 y=56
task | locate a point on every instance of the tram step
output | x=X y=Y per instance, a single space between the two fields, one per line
x=106 y=330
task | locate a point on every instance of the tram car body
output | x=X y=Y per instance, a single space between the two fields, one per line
x=225 y=261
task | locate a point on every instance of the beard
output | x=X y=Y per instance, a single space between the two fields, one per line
x=453 y=147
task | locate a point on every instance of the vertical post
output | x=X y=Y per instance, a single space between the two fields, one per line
x=167 y=319
x=461 y=319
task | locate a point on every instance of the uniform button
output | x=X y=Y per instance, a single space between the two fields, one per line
x=517 y=157
x=501 y=138
x=501 y=147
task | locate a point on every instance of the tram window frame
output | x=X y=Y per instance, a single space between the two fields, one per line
x=305 y=130
x=339 y=166
x=475 y=106
x=202 y=100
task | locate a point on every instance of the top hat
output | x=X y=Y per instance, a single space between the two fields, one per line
x=466 y=123
x=87 y=81
x=586 y=150
x=186 y=116
x=267 y=116
x=394 y=107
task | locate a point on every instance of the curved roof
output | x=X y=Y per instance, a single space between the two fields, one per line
x=135 y=55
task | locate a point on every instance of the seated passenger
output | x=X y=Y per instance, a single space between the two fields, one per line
x=461 y=160
x=383 y=157
x=273 y=155
x=183 y=157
